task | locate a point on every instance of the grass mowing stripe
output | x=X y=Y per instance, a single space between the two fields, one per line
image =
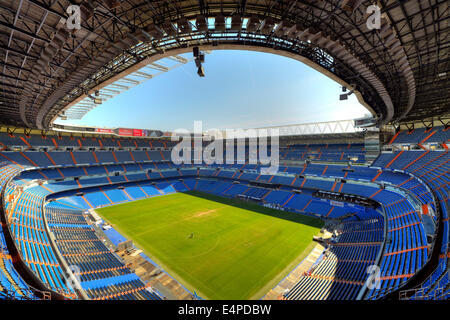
x=222 y=248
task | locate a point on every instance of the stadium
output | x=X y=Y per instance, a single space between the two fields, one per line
x=355 y=209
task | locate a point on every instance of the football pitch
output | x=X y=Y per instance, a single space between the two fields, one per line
x=221 y=248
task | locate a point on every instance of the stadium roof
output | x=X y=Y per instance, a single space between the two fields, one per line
x=81 y=106
x=316 y=129
x=400 y=71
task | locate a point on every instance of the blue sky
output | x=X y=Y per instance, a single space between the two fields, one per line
x=242 y=89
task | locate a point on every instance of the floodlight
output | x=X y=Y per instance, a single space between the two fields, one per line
x=201 y=71
x=195 y=51
x=344 y=96
x=96 y=100
x=199 y=59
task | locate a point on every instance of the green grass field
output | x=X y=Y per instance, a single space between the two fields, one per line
x=238 y=250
